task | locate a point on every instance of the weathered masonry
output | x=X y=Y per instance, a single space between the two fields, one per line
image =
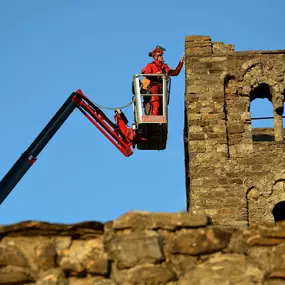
x=141 y=248
x=234 y=173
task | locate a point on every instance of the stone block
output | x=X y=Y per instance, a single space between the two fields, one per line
x=196 y=137
x=135 y=248
x=37 y=228
x=150 y=274
x=53 y=276
x=224 y=269
x=10 y=255
x=136 y=220
x=222 y=48
x=195 y=38
x=90 y=281
x=179 y=263
x=198 y=50
x=98 y=267
x=84 y=256
x=39 y=252
x=16 y=275
x=236 y=128
x=198 y=241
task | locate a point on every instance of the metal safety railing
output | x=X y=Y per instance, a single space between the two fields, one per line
x=139 y=95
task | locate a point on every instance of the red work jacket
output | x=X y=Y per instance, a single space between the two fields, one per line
x=159 y=67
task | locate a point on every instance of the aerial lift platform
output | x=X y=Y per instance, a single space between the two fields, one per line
x=146 y=133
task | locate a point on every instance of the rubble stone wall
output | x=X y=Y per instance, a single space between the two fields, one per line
x=234 y=173
x=142 y=248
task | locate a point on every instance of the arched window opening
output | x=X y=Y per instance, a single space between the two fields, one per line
x=260 y=108
x=279 y=211
x=262 y=114
x=261 y=91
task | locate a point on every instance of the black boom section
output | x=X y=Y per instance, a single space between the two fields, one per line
x=26 y=160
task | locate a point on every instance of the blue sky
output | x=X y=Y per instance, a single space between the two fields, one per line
x=51 y=48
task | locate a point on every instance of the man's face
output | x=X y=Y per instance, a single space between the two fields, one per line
x=159 y=56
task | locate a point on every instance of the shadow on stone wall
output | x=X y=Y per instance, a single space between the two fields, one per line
x=279 y=211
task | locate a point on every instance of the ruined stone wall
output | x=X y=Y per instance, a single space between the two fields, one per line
x=234 y=173
x=142 y=248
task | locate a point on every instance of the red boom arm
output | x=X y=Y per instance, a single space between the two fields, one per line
x=119 y=134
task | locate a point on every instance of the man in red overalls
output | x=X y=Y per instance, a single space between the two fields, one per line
x=158 y=67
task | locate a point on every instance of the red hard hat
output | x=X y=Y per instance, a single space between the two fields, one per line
x=158 y=49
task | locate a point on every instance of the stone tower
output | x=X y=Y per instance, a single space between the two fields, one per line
x=234 y=173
